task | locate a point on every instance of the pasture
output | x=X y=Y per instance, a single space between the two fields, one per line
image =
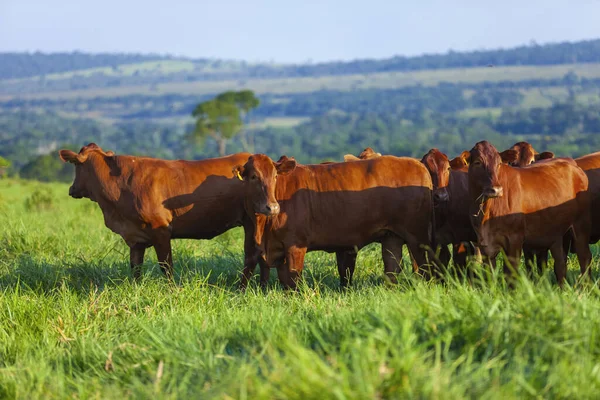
x=380 y=80
x=73 y=323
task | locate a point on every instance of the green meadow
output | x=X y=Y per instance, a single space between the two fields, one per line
x=74 y=325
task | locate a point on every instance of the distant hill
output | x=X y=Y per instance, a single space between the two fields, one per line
x=22 y=65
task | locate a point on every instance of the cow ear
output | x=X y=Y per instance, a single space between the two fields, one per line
x=71 y=157
x=465 y=156
x=509 y=156
x=285 y=165
x=110 y=153
x=544 y=155
x=350 y=157
x=238 y=171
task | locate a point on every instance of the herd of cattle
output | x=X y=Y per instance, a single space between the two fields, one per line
x=481 y=201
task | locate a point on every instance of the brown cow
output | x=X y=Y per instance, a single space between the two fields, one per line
x=533 y=206
x=525 y=155
x=366 y=154
x=338 y=206
x=451 y=201
x=151 y=201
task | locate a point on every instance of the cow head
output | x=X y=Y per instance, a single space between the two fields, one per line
x=484 y=166
x=260 y=177
x=438 y=166
x=525 y=155
x=461 y=161
x=366 y=154
x=84 y=171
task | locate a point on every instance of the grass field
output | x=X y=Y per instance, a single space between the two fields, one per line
x=73 y=324
x=389 y=80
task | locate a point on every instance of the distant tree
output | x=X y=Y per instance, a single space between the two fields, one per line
x=222 y=118
x=47 y=168
x=4 y=164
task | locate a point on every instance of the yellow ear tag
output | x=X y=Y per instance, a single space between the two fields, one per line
x=237 y=173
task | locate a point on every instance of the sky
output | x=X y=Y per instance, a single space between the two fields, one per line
x=291 y=32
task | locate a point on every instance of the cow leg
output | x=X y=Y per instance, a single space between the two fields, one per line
x=294 y=259
x=252 y=256
x=162 y=246
x=581 y=233
x=136 y=259
x=420 y=255
x=391 y=253
x=529 y=255
x=511 y=262
x=459 y=257
x=265 y=271
x=560 y=266
x=542 y=261
x=445 y=255
x=346 y=261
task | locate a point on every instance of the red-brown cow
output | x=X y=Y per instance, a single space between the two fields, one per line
x=451 y=201
x=525 y=155
x=338 y=206
x=533 y=206
x=150 y=201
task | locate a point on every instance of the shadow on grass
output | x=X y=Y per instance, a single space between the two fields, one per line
x=224 y=270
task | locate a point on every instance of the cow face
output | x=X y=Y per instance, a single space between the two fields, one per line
x=83 y=170
x=525 y=155
x=260 y=177
x=438 y=166
x=484 y=166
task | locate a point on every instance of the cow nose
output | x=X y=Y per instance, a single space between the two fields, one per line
x=273 y=208
x=440 y=196
x=493 y=191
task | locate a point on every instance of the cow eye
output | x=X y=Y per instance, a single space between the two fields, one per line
x=253 y=177
x=477 y=162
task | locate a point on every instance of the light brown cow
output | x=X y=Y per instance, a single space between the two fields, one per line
x=338 y=206
x=508 y=209
x=150 y=201
x=366 y=154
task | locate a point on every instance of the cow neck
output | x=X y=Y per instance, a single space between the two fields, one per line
x=107 y=188
x=483 y=210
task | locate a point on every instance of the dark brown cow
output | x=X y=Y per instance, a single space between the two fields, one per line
x=533 y=206
x=451 y=201
x=338 y=206
x=150 y=201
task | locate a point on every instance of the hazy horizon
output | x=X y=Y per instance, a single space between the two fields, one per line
x=294 y=33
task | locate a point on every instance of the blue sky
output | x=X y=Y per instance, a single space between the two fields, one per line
x=285 y=31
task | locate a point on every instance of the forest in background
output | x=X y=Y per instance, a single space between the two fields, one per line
x=555 y=105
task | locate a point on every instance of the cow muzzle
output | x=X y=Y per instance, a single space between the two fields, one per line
x=440 y=196
x=76 y=194
x=271 y=209
x=493 y=191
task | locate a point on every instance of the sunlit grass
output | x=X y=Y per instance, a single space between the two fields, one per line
x=73 y=324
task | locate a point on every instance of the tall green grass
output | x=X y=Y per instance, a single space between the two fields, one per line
x=73 y=324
